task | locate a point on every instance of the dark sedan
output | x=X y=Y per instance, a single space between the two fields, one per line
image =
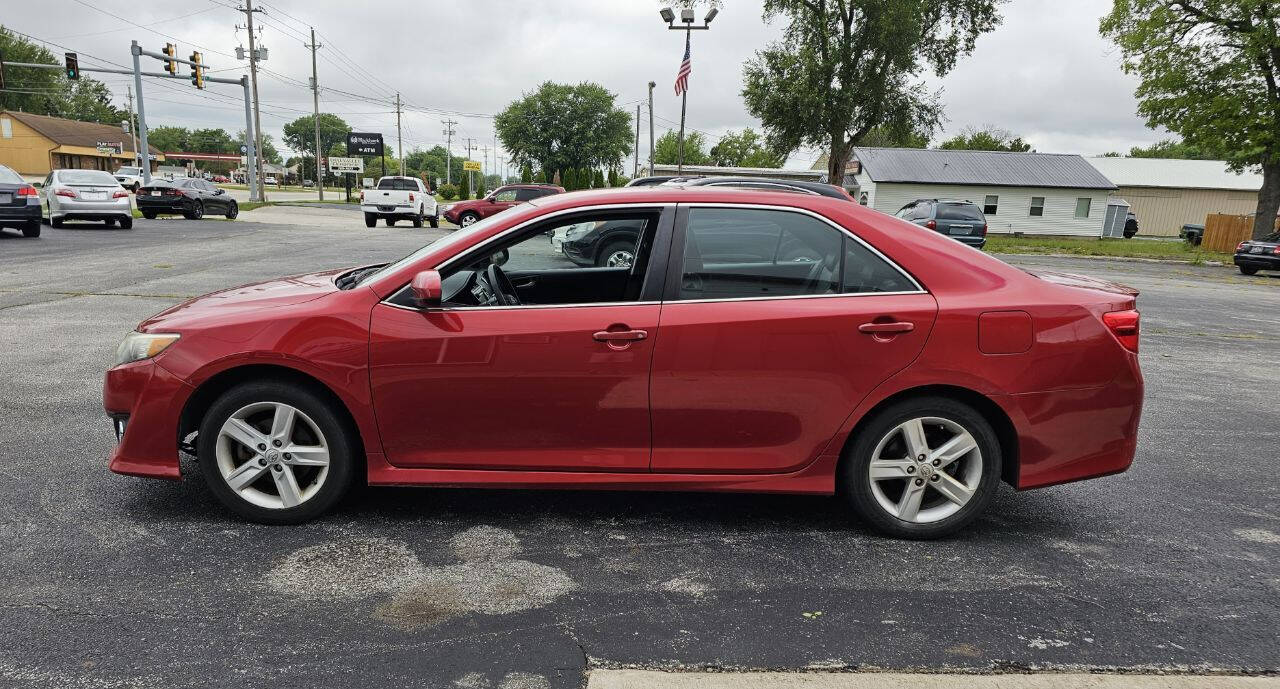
x=191 y=198
x=608 y=244
x=19 y=203
x=1253 y=255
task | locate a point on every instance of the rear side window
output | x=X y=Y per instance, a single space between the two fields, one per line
x=958 y=211
x=398 y=185
x=527 y=194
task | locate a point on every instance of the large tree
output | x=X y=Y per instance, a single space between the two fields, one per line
x=1210 y=72
x=300 y=134
x=562 y=126
x=986 y=139
x=48 y=91
x=845 y=67
x=666 y=150
x=745 y=149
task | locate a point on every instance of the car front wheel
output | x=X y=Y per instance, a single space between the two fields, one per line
x=233 y=211
x=275 y=453
x=923 y=468
x=617 y=255
x=468 y=219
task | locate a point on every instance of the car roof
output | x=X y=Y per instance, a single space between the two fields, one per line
x=814 y=187
x=528 y=186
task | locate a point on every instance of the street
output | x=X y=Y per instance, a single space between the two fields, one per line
x=113 y=581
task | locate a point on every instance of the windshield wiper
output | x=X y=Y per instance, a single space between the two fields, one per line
x=354 y=277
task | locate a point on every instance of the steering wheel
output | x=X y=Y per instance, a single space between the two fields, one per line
x=815 y=277
x=503 y=290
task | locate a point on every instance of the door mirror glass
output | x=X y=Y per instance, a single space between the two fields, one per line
x=500 y=259
x=426 y=288
x=38 y=185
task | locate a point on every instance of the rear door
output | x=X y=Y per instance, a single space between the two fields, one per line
x=775 y=324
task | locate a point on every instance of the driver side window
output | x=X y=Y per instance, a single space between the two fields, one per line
x=506 y=196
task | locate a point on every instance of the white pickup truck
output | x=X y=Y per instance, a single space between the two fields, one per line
x=129 y=177
x=399 y=198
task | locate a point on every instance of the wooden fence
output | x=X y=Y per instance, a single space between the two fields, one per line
x=1224 y=232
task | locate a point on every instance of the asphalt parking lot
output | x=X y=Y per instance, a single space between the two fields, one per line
x=111 y=581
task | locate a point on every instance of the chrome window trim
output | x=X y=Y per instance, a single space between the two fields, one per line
x=468 y=309
x=839 y=228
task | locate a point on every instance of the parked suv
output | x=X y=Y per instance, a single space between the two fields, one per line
x=960 y=220
x=467 y=212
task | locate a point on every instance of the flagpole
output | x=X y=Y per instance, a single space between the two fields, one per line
x=684 y=104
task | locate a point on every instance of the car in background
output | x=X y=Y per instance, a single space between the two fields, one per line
x=769 y=184
x=1192 y=233
x=191 y=198
x=85 y=195
x=961 y=220
x=399 y=198
x=606 y=244
x=655 y=180
x=1253 y=255
x=307 y=184
x=129 y=177
x=1130 y=225
x=19 y=203
x=221 y=179
x=465 y=213
x=270 y=180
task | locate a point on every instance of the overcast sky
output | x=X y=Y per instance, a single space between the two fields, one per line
x=1045 y=74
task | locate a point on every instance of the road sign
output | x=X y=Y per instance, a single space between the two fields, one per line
x=471 y=166
x=243 y=151
x=340 y=165
x=110 y=147
x=364 y=144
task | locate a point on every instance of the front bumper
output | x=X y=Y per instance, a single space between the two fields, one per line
x=1266 y=261
x=145 y=403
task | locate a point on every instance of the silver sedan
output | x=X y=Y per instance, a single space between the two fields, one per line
x=86 y=195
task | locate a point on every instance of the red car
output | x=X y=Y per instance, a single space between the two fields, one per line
x=759 y=341
x=465 y=213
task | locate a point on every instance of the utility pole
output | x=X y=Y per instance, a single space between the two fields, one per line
x=470 y=177
x=315 y=99
x=636 y=170
x=253 y=85
x=399 y=141
x=133 y=127
x=484 y=171
x=448 y=149
x=651 y=85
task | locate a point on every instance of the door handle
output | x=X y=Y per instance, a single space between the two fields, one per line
x=620 y=335
x=893 y=327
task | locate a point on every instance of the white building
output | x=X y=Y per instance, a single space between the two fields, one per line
x=1029 y=193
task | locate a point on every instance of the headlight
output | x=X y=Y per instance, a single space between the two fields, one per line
x=137 y=346
x=447 y=207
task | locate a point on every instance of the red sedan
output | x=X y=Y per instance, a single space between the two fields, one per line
x=759 y=341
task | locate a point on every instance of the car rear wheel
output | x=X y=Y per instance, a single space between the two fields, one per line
x=617 y=255
x=126 y=223
x=434 y=220
x=275 y=453
x=467 y=219
x=1248 y=270
x=370 y=220
x=417 y=218
x=197 y=211
x=31 y=229
x=922 y=468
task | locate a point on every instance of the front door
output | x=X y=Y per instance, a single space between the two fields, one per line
x=778 y=325
x=498 y=202
x=555 y=379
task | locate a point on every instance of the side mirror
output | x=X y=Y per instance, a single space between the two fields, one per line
x=426 y=288
x=38 y=185
x=219 y=191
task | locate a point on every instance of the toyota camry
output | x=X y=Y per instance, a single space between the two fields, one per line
x=757 y=341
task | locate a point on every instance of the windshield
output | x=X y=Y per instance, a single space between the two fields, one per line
x=1273 y=237
x=9 y=176
x=958 y=211
x=129 y=171
x=455 y=237
x=85 y=177
x=398 y=184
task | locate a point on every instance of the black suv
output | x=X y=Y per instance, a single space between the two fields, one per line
x=960 y=220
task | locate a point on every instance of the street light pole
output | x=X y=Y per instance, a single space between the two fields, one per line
x=686 y=18
x=315 y=99
x=651 y=85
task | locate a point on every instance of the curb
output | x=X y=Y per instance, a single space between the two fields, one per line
x=649 y=679
x=1122 y=259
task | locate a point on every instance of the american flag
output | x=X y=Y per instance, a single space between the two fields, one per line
x=682 y=77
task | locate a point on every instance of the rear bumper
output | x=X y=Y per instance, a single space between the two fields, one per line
x=20 y=214
x=975 y=242
x=72 y=209
x=161 y=204
x=1259 y=261
x=149 y=400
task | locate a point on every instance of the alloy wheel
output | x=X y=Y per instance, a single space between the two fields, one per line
x=925 y=469
x=621 y=258
x=467 y=220
x=272 y=455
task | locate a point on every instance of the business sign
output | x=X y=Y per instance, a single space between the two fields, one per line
x=364 y=144
x=110 y=147
x=471 y=166
x=341 y=165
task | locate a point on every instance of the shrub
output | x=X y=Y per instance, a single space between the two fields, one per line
x=448 y=192
x=526 y=173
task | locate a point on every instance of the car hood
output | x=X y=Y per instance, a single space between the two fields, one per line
x=1084 y=282
x=276 y=293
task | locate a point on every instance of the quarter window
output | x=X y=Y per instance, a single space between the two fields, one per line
x=1037 y=206
x=1083 y=207
x=991 y=204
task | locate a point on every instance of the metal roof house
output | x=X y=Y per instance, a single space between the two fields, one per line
x=1029 y=193
x=1165 y=194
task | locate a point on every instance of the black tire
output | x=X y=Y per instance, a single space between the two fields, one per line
x=338 y=434
x=55 y=222
x=854 y=481
x=233 y=211
x=126 y=223
x=391 y=222
x=148 y=215
x=417 y=219
x=434 y=220
x=615 y=246
x=31 y=229
x=1248 y=270
x=197 y=212
x=370 y=220
x=468 y=218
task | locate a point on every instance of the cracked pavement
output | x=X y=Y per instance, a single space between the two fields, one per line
x=121 y=582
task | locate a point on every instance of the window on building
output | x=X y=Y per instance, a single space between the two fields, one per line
x=991 y=205
x=1037 y=206
x=6 y=128
x=1083 y=206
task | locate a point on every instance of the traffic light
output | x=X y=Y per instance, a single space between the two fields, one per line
x=197 y=70
x=170 y=66
x=73 y=66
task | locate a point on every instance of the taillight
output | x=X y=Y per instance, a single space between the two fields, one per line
x=28 y=191
x=122 y=194
x=410 y=197
x=984 y=230
x=69 y=193
x=172 y=192
x=362 y=197
x=1124 y=325
x=1276 y=251
x=931 y=225
x=1240 y=246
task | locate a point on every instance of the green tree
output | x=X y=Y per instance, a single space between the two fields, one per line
x=569 y=180
x=890 y=136
x=666 y=150
x=1208 y=71
x=480 y=188
x=300 y=134
x=844 y=67
x=432 y=162
x=986 y=139
x=269 y=151
x=598 y=182
x=559 y=126
x=1170 y=148
x=613 y=177
x=212 y=141
x=526 y=173
x=48 y=91
x=448 y=192
x=169 y=138
x=745 y=149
